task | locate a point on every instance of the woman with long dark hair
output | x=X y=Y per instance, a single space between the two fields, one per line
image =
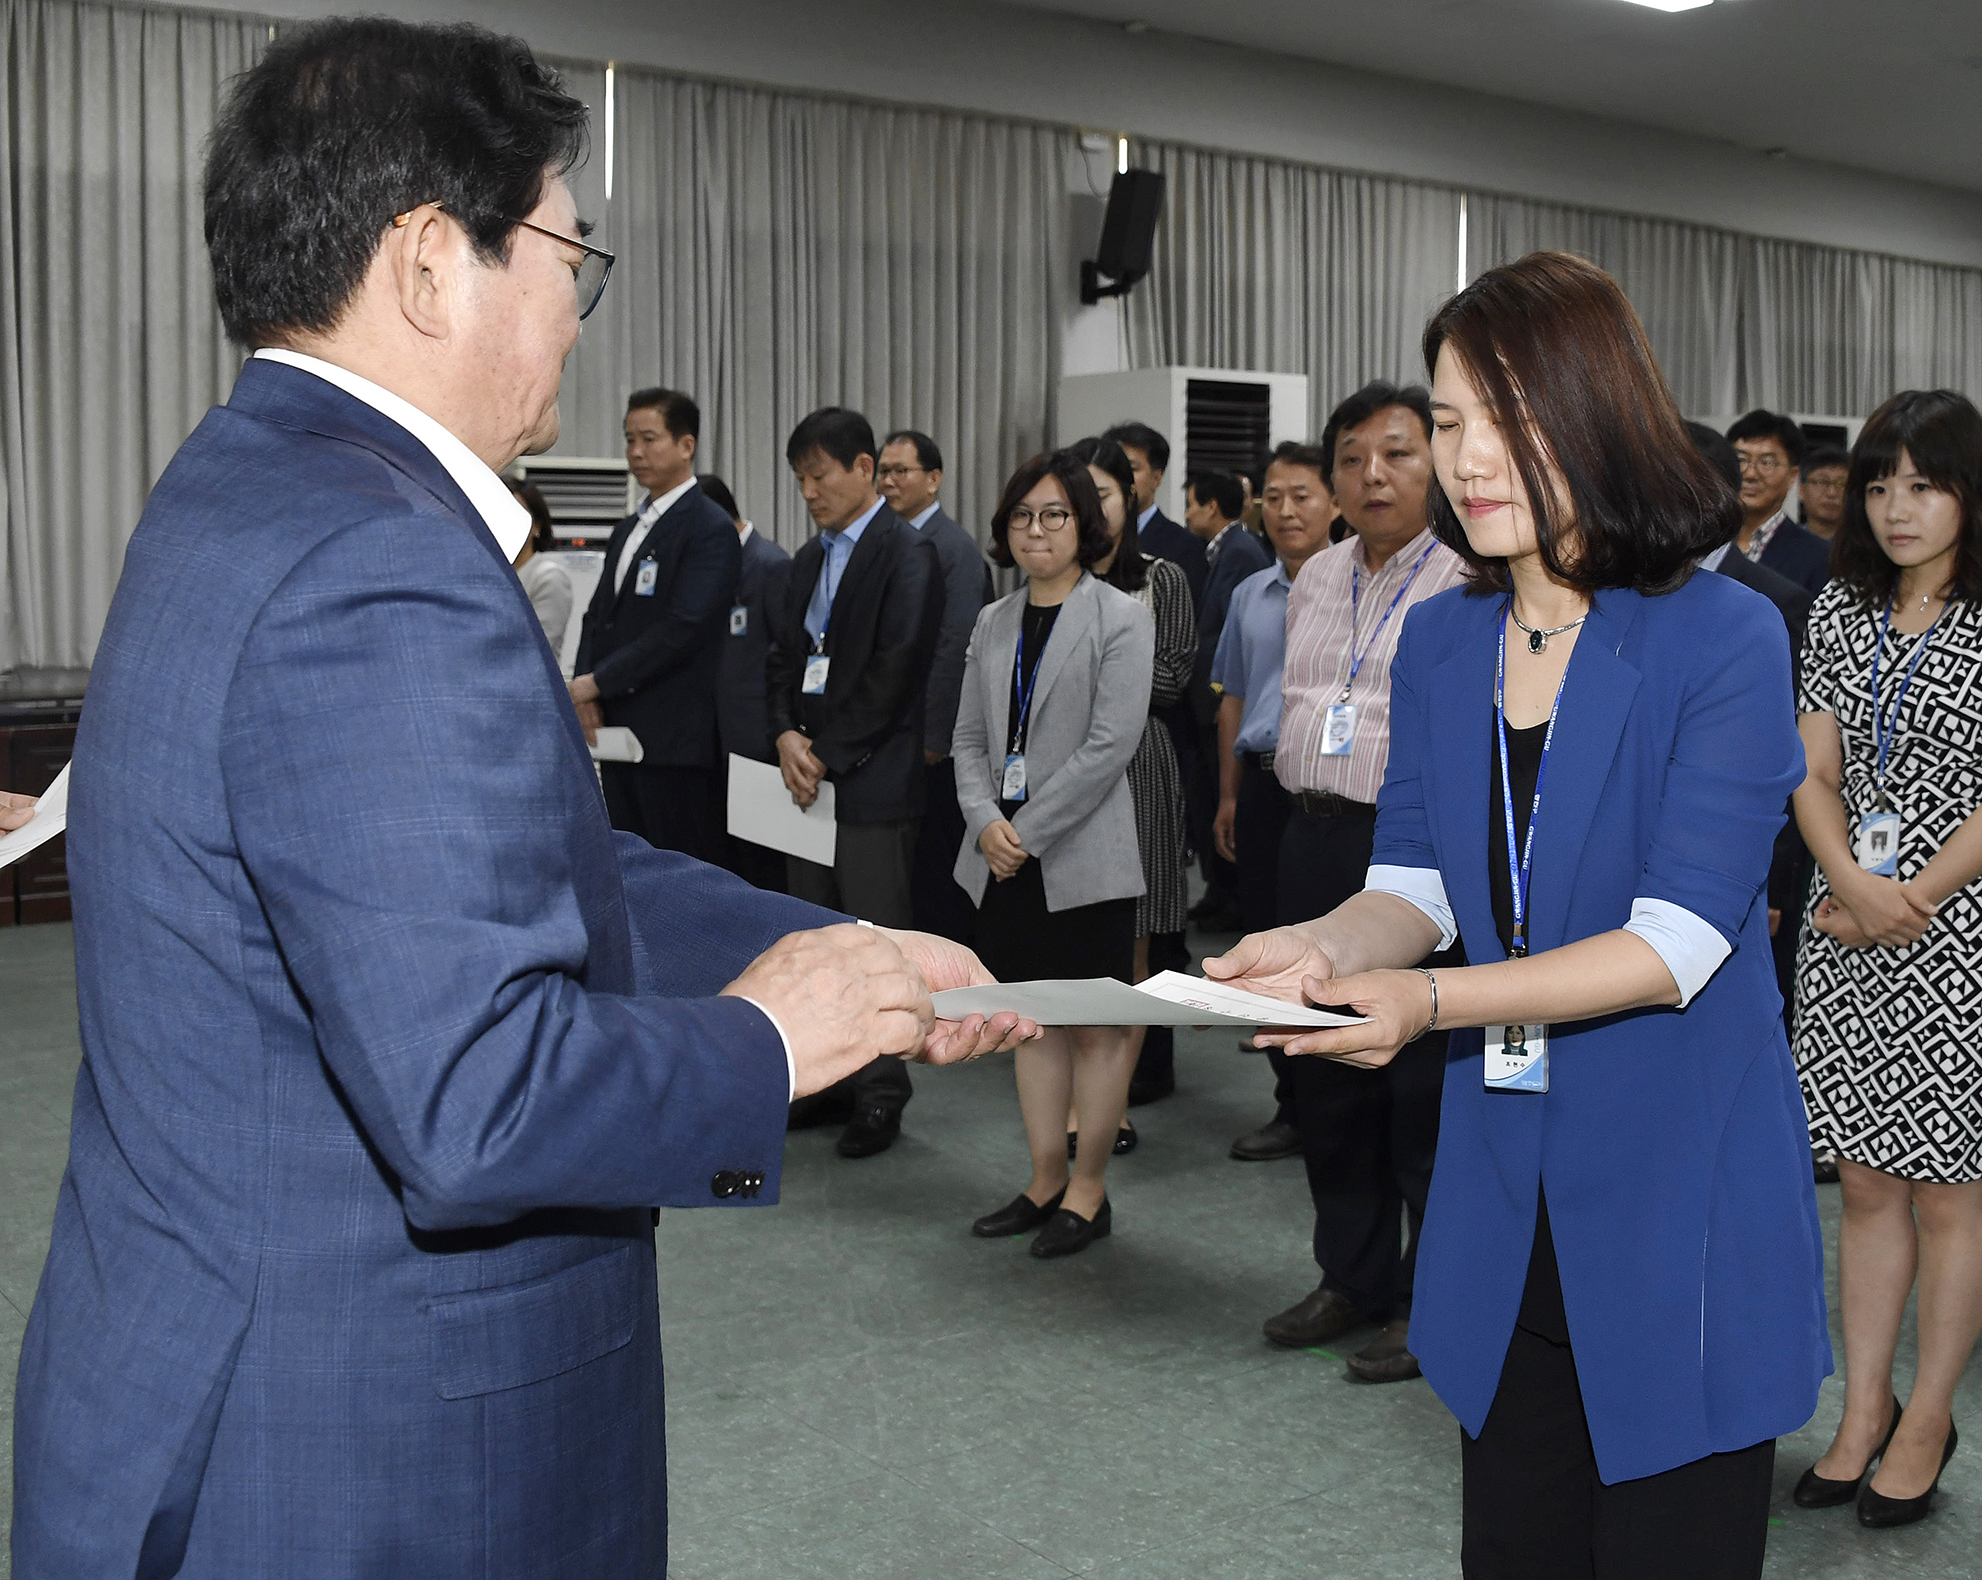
x=1889 y=974
x=1050 y=715
x=1620 y=1281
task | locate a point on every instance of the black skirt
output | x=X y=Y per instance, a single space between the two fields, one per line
x=1019 y=940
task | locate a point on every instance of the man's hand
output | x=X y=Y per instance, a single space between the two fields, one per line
x=584 y=689
x=1887 y=911
x=1224 y=829
x=802 y=771
x=591 y=719
x=1775 y=920
x=844 y=995
x=15 y=810
x=1002 y=850
x=944 y=965
x=931 y=757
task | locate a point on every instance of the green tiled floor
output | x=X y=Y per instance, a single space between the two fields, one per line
x=858 y=1388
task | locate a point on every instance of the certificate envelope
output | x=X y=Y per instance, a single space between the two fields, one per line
x=762 y=811
x=51 y=816
x=1167 y=999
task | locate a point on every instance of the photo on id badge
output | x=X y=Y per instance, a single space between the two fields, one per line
x=1517 y=1058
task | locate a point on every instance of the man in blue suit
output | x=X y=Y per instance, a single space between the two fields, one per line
x=390 y=1043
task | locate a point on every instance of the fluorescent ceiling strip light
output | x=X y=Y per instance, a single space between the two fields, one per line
x=1671 y=5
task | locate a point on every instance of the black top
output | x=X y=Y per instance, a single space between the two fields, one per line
x=1035 y=628
x=1541 y=1300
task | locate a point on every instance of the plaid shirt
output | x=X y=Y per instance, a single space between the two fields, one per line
x=1318 y=659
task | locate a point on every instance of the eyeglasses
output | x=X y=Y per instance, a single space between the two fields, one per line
x=588 y=277
x=1761 y=465
x=890 y=472
x=1053 y=518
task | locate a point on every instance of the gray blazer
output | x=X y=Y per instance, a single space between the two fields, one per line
x=1089 y=704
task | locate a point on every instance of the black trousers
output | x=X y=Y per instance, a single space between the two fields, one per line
x=870 y=879
x=938 y=901
x=1368 y=1137
x=1257 y=828
x=1221 y=877
x=670 y=808
x=1534 y=1508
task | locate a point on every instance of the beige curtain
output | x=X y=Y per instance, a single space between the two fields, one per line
x=1271 y=267
x=110 y=347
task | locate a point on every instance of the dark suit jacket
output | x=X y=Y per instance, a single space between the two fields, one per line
x=868 y=726
x=966 y=589
x=455 y=1037
x=1240 y=554
x=1799 y=554
x=741 y=719
x=656 y=656
x=1166 y=540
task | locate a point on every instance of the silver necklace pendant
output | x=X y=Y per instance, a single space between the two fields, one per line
x=1537 y=642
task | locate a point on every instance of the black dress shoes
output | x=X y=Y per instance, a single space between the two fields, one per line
x=1021 y=1215
x=1879 y=1512
x=1321 y=1318
x=1387 y=1357
x=1068 y=1232
x=872 y=1130
x=1274 y=1139
x=1820 y=1492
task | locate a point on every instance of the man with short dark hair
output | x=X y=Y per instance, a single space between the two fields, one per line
x=1768 y=447
x=847 y=691
x=391 y=1045
x=1367 y=1136
x=911 y=479
x=1149 y=458
x=650 y=652
x=1820 y=484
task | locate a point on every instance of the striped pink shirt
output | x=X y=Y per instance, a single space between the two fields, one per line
x=1318 y=659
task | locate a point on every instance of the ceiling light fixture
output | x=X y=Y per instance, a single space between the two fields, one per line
x=1671 y=5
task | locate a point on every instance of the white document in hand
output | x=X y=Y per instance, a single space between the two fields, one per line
x=615 y=743
x=1167 y=999
x=762 y=811
x=51 y=816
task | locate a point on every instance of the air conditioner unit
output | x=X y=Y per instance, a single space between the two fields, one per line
x=588 y=495
x=1216 y=419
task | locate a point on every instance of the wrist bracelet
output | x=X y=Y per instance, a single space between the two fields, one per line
x=1432 y=1024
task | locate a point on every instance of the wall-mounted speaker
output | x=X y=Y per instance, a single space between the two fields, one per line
x=1128 y=233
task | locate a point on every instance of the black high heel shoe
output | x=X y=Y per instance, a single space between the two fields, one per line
x=1021 y=1215
x=1820 y=1492
x=1876 y=1511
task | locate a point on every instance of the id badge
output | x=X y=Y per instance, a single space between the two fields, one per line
x=644 y=579
x=739 y=620
x=1517 y=1058
x=1014 y=789
x=1878 y=843
x=1338 y=729
x=816 y=667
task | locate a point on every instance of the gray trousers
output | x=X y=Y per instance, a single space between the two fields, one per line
x=871 y=877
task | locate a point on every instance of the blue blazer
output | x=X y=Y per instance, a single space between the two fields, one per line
x=1672 y=1143
x=390 y=1044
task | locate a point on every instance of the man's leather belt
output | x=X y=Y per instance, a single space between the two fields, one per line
x=1263 y=761
x=1326 y=803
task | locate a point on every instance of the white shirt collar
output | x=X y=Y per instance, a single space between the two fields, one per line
x=503 y=514
x=652 y=509
x=921 y=521
x=1143 y=519
x=1712 y=562
x=743 y=532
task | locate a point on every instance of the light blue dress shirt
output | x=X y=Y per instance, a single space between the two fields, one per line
x=839 y=549
x=1251 y=649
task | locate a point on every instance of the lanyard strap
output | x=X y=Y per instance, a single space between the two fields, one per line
x=1520 y=872
x=832 y=587
x=1023 y=684
x=1882 y=731
x=1355 y=602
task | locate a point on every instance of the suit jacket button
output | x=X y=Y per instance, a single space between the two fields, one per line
x=723 y=1186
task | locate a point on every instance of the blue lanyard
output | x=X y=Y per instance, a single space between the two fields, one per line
x=1519 y=873
x=1355 y=600
x=1021 y=684
x=1883 y=732
x=832 y=586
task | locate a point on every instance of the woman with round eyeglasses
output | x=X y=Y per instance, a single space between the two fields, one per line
x=1055 y=691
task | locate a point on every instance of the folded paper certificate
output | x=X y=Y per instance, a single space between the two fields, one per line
x=51 y=816
x=1167 y=999
x=617 y=744
x=762 y=811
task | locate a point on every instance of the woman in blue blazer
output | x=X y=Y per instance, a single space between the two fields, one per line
x=1621 y=1275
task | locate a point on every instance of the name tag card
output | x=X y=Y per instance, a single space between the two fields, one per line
x=739 y=620
x=1014 y=786
x=644 y=579
x=1517 y=1058
x=816 y=669
x=1338 y=729
x=1878 y=843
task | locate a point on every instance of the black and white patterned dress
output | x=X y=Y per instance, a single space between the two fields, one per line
x=1154 y=779
x=1889 y=1041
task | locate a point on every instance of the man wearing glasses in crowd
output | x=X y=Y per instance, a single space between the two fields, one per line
x=1768 y=447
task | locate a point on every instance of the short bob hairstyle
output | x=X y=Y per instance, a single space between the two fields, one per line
x=1070 y=472
x=346 y=123
x=1561 y=361
x=1941 y=433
